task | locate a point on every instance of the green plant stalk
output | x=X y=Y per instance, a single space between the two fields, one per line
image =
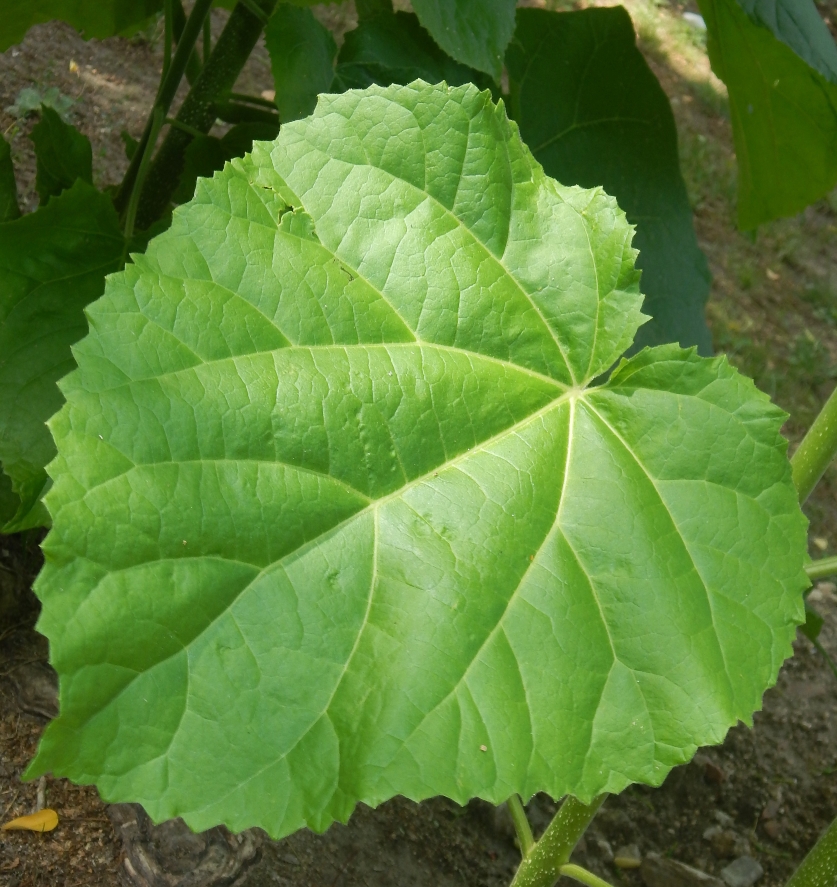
x=165 y=95
x=235 y=112
x=819 y=868
x=145 y=161
x=817 y=450
x=199 y=109
x=207 y=39
x=577 y=873
x=521 y=824
x=193 y=65
x=367 y=9
x=541 y=867
x=168 y=15
x=820 y=569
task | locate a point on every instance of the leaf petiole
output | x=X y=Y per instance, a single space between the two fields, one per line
x=822 y=568
x=521 y=824
x=577 y=873
x=817 y=449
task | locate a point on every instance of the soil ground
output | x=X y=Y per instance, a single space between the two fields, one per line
x=768 y=790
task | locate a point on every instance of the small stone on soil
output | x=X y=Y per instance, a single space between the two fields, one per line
x=744 y=872
x=628 y=857
x=657 y=871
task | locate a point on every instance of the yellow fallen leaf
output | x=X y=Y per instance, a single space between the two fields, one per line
x=42 y=821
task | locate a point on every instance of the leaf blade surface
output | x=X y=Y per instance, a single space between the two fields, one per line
x=339 y=417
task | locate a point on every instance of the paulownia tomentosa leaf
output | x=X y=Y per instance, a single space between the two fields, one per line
x=63 y=154
x=784 y=111
x=93 y=18
x=53 y=263
x=600 y=117
x=339 y=513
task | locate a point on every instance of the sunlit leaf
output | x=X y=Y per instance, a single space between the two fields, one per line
x=339 y=512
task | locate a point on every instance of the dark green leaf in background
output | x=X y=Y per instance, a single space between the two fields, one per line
x=798 y=24
x=784 y=114
x=474 y=32
x=340 y=512
x=9 y=208
x=593 y=113
x=52 y=265
x=9 y=500
x=395 y=48
x=63 y=155
x=207 y=154
x=302 y=55
x=93 y=18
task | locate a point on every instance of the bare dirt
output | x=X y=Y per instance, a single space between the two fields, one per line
x=767 y=792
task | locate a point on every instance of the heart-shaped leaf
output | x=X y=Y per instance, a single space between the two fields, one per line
x=340 y=511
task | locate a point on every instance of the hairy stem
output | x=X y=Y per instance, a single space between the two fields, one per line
x=199 y=109
x=165 y=95
x=521 y=824
x=577 y=873
x=542 y=866
x=819 y=868
x=817 y=449
x=820 y=569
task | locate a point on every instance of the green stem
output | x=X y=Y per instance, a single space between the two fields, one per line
x=145 y=161
x=521 y=824
x=193 y=66
x=820 y=569
x=165 y=95
x=819 y=868
x=542 y=866
x=207 y=39
x=168 y=15
x=170 y=121
x=818 y=448
x=577 y=873
x=199 y=108
x=251 y=100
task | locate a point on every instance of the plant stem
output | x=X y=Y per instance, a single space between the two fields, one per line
x=577 y=873
x=145 y=161
x=207 y=39
x=541 y=867
x=818 y=448
x=819 y=868
x=193 y=66
x=824 y=653
x=168 y=15
x=367 y=9
x=820 y=569
x=199 y=109
x=165 y=95
x=521 y=824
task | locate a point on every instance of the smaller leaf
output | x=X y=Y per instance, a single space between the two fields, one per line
x=43 y=821
x=131 y=144
x=30 y=99
x=207 y=154
x=64 y=155
x=302 y=54
x=8 y=187
x=395 y=48
x=474 y=32
x=813 y=623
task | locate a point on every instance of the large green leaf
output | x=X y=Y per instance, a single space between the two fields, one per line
x=93 y=18
x=9 y=208
x=798 y=24
x=395 y=48
x=474 y=32
x=52 y=264
x=338 y=513
x=784 y=116
x=302 y=55
x=600 y=117
x=63 y=155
